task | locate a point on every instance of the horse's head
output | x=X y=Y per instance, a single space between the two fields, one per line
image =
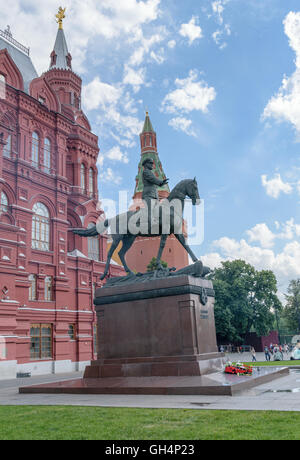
x=193 y=192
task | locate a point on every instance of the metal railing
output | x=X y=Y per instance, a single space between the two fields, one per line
x=8 y=37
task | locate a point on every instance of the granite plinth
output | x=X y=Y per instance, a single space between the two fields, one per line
x=213 y=384
x=160 y=327
x=157 y=337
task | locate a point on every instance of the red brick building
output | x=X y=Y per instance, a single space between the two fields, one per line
x=48 y=183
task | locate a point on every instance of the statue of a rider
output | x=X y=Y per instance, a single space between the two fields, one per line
x=150 y=192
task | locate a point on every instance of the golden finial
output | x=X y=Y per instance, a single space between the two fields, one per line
x=60 y=16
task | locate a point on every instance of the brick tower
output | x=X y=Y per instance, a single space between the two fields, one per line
x=48 y=185
x=144 y=249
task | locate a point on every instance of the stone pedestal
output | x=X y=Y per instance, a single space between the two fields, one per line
x=162 y=327
x=157 y=336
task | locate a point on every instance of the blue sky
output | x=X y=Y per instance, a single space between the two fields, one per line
x=221 y=81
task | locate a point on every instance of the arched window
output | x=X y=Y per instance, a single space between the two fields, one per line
x=40 y=228
x=82 y=178
x=72 y=331
x=47 y=155
x=93 y=246
x=3 y=203
x=32 y=287
x=35 y=147
x=7 y=147
x=91 y=182
x=48 y=288
x=2 y=86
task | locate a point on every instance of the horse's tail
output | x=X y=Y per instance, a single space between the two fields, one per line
x=102 y=225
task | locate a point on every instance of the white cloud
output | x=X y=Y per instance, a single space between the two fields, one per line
x=86 y=20
x=274 y=187
x=218 y=36
x=223 y=30
x=262 y=234
x=267 y=238
x=283 y=262
x=171 y=44
x=134 y=77
x=191 y=30
x=145 y=47
x=218 y=9
x=190 y=95
x=285 y=105
x=109 y=176
x=97 y=95
x=116 y=111
x=290 y=230
x=115 y=154
x=182 y=124
x=158 y=57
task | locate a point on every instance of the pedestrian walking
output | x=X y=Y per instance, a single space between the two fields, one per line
x=267 y=354
x=253 y=354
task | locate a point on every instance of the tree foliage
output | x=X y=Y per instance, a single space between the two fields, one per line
x=153 y=264
x=245 y=300
x=291 y=312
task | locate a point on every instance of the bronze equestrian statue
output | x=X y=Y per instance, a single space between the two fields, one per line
x=166 y=218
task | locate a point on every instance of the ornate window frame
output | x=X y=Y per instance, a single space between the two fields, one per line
x=3 y=203
x=35 y=149
x=40 y=235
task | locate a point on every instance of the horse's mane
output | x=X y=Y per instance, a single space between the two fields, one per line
x=180 y=187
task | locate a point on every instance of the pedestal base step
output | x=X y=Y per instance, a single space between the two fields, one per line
x=170 y=366
x=213 y=384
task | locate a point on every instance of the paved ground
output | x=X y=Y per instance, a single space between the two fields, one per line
x=281 y=394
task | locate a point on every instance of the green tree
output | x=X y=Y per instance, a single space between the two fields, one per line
x=153 y=264
x=245 y=300
x=291 y=311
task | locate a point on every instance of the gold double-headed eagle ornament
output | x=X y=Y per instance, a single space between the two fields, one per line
x=60 y=16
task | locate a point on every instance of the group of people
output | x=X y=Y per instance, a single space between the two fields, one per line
x=273 y=351
x=276 y=351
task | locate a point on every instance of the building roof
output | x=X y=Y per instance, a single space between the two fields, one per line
x=61 y=51
x=21 y=58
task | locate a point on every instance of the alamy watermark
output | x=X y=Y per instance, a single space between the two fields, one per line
x=153 y=218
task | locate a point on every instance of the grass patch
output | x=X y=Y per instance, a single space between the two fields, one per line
x=98 y=423
x=272 y=363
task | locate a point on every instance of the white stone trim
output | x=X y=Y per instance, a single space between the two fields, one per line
x=56 y=310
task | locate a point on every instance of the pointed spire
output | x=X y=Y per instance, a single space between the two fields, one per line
x=60 y=56
x=148 y=136
x=149 y=150
x=148 y=128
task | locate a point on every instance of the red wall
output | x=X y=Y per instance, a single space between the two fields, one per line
x=58 y=189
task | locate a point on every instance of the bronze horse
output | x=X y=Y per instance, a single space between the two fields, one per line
x=173 y=215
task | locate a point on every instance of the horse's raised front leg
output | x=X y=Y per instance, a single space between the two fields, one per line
x=182 y=240
x=114 y=245
x=163 y=240
x=127 y=243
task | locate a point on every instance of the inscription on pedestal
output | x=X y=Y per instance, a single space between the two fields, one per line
x=203 y=314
